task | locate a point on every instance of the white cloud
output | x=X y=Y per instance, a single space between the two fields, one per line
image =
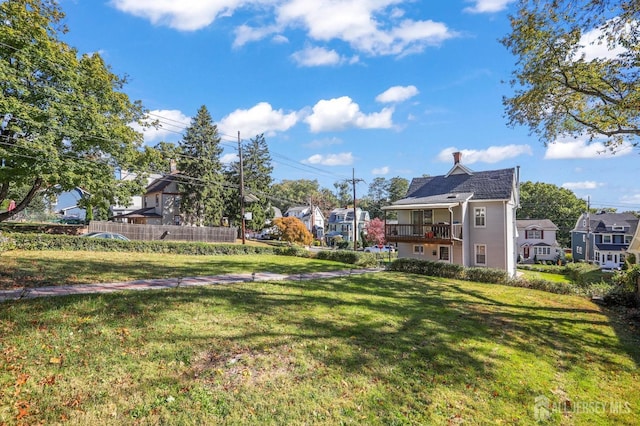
x=631 y=199
x=594 y=46
x=342 y=113
x=170 y=126
x=397 y=94
x=493 y=154
x=229 y=158
x=380 y=171
x=487 y=6
x=378 y=27
x=342 y=159
x=261 y=118
x=581 y=185
x=582 y=148
x=321 y=143
x=184 y=15
x=316 y=56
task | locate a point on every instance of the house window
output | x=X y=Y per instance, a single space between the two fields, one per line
x=627 y=239
x=584 y=238
x=481 y=254
x=533 y=234
x=427 y=218
x=157 y=199
x=177 y=220
x=542 y=251
x=480 y=214
x=418 y=250
x=444 y=253
x=606 y=239
x=579 y=250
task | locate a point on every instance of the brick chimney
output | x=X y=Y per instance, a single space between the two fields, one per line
x=457 y=156
x=173 y=166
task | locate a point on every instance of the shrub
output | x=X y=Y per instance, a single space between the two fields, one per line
x=486 y=275
x=364 y=260
x=426 y=267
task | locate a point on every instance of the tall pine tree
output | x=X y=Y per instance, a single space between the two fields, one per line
x=201 y=186
x=257 y=170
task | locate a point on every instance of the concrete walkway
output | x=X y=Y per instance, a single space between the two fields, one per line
x=158 y=284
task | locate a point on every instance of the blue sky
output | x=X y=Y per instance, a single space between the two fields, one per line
x=386 y=87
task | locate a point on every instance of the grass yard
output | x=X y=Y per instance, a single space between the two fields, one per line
x=548 y=276
x=60 y=268
x=386 y=348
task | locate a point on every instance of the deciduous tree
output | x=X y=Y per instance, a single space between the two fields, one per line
x=292 y=230
x=561 y=86
x=547 y=201
x=64 y=121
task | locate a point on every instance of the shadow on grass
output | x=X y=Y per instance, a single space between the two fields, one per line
x=396 y=329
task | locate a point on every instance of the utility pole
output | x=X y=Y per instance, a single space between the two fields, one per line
x=587 y=245
x=242 y=231
x=353 y=182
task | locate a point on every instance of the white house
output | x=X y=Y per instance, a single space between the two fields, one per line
x=537 y=240
x=313 y=219
x=341 y=221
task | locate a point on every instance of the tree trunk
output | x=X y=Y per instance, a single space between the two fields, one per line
x=25 y=201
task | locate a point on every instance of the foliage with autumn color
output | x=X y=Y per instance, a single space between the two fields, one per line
x=375 y=231
x=291 y=229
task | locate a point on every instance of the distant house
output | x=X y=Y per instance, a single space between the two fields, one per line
x=634 y=246
x=313 y=219
x=603 y=238
x=463 y=217
x=537 y=240
x=119 y=212
x=160 y=204
x=341 y=223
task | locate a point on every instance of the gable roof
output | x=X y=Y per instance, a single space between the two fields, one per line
x=455 y=187
x=603 y=222
x=545 y=224
x=160 y=184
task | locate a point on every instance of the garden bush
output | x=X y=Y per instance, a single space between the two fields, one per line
x=361 y=259
x=486 y=275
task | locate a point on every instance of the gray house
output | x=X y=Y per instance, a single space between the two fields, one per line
x=603 y=238
x=463 y=217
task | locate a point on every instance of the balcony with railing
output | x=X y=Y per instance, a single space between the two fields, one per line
x=442 y=233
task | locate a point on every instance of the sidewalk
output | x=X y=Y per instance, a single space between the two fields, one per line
x=158 y=284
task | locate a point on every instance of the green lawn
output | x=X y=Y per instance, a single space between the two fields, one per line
x=548 y=276
x=45 y=268
x=386 y=348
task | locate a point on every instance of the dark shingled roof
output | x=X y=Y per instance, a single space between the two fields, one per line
x=487 y=185
x=160 y=184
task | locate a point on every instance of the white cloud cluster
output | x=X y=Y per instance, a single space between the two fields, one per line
x=594 y=45
x=341 y=159
x=581 y=185
x=342 y=113
x=169 y=126
x=397 y=94
x=493 y=154
x=380 y=171
x=317 y=56
x=487 y=6
x=261 y=118
x=373 y=27
x=582 y=148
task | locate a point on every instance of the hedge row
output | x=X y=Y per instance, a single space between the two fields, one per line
x=613 y=294
x=361 y=259
x=73 y=243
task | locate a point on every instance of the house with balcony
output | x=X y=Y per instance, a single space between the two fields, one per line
x=603 y=238
x=464 y=217
x=312 y=218
x=537 y=241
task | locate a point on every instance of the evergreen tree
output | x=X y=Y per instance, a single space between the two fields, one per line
x=257 y=170
x=201 y=186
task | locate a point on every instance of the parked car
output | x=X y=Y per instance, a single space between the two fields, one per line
x=380 y=249
x=106 y=235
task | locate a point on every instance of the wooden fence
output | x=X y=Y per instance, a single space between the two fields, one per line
x=168 y=232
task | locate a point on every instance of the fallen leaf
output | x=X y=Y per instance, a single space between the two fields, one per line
x=55 y=360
